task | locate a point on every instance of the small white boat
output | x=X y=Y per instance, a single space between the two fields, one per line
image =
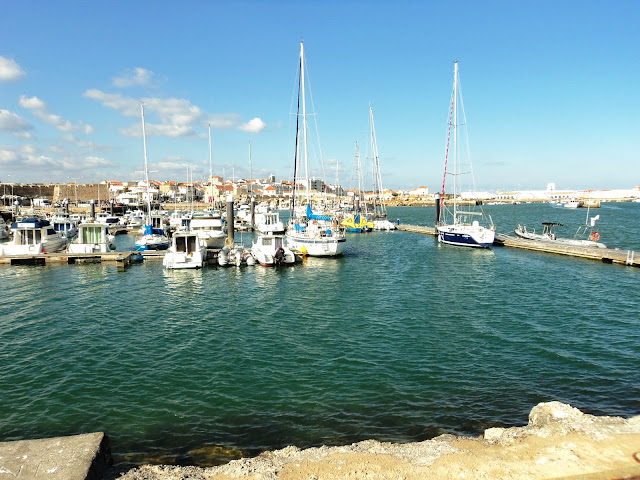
x=548 y=235
x=186 y=251
x=92 y=238
x=235 y=254
x=270 y=250
x=152 y=239
x=208 y=227
x=33 y=236
x=269 y=222
x=65 y=226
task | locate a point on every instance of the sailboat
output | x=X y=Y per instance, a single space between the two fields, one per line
x=379 y=206
x=151 y=238
x=310 y=234
x=462 y=227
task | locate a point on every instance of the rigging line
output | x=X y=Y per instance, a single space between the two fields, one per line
x=295 y=157
x=315 y=122
x=466 y=137
x=446 y=155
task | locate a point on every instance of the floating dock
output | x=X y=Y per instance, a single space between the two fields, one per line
x=605 y=255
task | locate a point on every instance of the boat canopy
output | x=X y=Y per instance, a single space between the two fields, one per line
x=149 y=230
x=312 y=216
x=30 y=223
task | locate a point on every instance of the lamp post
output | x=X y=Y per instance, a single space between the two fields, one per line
x=75 y=180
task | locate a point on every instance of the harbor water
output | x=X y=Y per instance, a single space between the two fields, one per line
x=401 y=339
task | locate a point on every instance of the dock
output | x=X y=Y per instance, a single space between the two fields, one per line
x=604 y=255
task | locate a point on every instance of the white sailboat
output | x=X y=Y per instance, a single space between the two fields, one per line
x=314 y=235
x=461 y=227
x=151 y=238
x=380 y=221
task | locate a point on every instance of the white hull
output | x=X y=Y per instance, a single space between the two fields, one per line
x=185 y=252
x=316 y=246
x=551 y=238
x=269 y=251
x=466 y=235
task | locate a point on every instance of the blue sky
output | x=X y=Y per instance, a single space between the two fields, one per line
x=550 y=88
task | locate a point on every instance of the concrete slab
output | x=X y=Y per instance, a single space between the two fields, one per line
x=77 y=457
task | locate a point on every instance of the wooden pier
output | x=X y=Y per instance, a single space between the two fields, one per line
x=605 y=255
x=121 y=259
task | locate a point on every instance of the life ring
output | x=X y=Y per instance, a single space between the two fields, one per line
x=227 y=241
x=595 y=236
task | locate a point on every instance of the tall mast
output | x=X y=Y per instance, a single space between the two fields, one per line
x=455 y=138
x=250 y=171
x=146 y=166
x=359 y=172
x=377 y=181
x=304 y=122
x=210 y=170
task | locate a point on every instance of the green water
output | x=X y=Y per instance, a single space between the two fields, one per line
x=401 y=339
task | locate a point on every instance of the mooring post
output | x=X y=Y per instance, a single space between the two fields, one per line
x=252 y=210
x=230 y=224
x=437 y=197
x=93 y=209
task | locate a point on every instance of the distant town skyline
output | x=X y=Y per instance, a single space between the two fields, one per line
x=546 y=88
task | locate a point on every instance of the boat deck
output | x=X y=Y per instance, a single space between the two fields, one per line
x=605 y=255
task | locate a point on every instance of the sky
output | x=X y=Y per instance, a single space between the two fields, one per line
x=550 y=90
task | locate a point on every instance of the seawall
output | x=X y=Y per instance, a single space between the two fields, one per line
x=559 y=442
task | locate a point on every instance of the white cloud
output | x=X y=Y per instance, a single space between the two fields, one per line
x=9 y=70
x=254 y=125
x=134 y=77
x=40 y=110
x=14 y=123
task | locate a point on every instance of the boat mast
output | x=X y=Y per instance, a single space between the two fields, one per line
x=250 y=171
x=210 y=171
x=455 y=139
x=359 y=172
x=146 y=165
x=304 y=122
x=377 y=181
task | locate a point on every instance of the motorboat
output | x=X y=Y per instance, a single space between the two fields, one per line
x=32 y=236
x=270 y=250
x=208 y=227
x=269 y=222
x=186 y=251
x=92 y=238
x=235 y=254
x=549 y=235
x=65 y=226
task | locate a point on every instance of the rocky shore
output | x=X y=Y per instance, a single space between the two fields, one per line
x=559 y=442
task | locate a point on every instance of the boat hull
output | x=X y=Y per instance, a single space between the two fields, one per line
x=466 y=237
x=317 y=247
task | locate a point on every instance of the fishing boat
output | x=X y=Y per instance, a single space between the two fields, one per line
x=33 y=236
x=457 y=226
x=310 y=234
x=151 y=238
x=186 y=251
x=65 y=227
x=269 y=250
x=356 y=224
x=92 y=238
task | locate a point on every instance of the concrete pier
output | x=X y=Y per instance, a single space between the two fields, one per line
x=78 y=457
